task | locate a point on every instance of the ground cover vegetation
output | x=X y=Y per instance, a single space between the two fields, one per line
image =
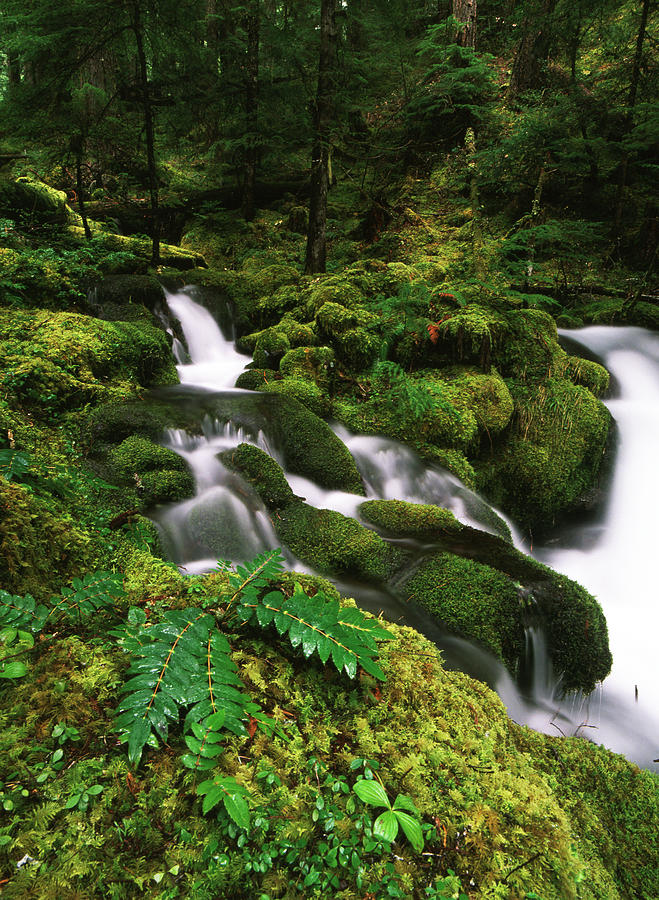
x=400 y=202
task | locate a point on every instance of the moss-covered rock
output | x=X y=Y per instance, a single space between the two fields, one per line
x=138 y=455
x=313 y=363
x=166 y=486
x=418 y=520
x=115 y=292
x=554 y=458
x=588 y=373
x=270 y=347
x=305 y=392
x=352 y=333
x=335 y=544
x=310 y=448
x=38 y=549
x=263 y=473
x=473 y=599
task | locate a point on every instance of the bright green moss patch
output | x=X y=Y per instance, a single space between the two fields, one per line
x=38 y=549
x=474 y=600
x=588 y=373
x=410 y=519
x=555 y=455
x=262 y=472
x=334 y=544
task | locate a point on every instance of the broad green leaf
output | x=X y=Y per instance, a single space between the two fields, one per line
x=412 y=829
x=237 y=808
x=402 y=801
x=386 y=826
x=14 y=669
x=371 y=792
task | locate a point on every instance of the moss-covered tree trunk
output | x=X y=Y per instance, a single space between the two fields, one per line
x=323 y=109
x=532 y=50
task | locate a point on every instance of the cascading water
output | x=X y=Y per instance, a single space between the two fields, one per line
x=227 y=520
x=614 y=557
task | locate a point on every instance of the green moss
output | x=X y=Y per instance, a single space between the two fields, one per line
x=35 y=199
x=335 y=544
x=270 y=346
x=486 y=396
x=166 y=486
x=117 y=291
x=169 y=254
x=473 y=599
x=310 y=448
x=39 y=550
x=313 y=363
x=417 y=520
x=334 y=289
x=588 y=373
x=305 y=392
x=137 y=455
x=554 y=457
x=351 y=332
x=262 y=472
x=530 y=351
x=253 y=379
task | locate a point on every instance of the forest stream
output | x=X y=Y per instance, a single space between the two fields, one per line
x=611 y=555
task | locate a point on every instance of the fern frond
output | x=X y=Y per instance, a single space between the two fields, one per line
x=92 y=592
x=226 y=790
x=319 y=625
x=221 y=695
x=22 y=612
x=167 y=673
x=251 y=577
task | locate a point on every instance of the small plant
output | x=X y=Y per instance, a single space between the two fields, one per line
x=402 y=813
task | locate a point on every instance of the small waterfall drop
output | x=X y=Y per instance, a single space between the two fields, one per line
x=214 y=362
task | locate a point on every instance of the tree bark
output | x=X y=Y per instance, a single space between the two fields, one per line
x=80 y=190
x=252 y=25
x=466 y=12
x=532 y=50
x=323 y=111
x=147 y=106
x=631 y=103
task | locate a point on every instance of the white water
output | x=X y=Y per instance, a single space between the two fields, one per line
x=226 y=520
x=615 y=558
x=215 y=362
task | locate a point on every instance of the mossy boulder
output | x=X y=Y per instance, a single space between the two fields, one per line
x=39 y=550
x=588 y=373
x=472 y=599
x=138 y=455
x=158 y=474
x=485 y=396
x=352 y=332
x=313 y=363
x=309 y=447
x=335 y=289
x=552 y=461
x=253 y=379
x=305 y=392
x=335 y=544
x=263 y=473
x=270 y=348
x=417 y=520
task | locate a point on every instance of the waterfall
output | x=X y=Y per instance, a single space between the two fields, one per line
x=612 y=558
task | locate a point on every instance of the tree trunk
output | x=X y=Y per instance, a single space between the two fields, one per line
x=80 y=190
x=323 y=109
x=631 y=103
x=532 y=50
x=474 y=196
x=136 y=24
x=13 y=68
x=466 y=11
x=252 y=23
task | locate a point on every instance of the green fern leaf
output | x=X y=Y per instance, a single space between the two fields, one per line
x=22 y=612
x=318 y=624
